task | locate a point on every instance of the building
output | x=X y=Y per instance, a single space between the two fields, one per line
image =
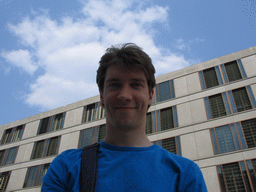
x=205 y=112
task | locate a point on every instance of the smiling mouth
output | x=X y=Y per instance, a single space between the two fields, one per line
x=125 y=108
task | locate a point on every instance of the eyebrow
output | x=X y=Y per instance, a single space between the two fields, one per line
x=133 y=79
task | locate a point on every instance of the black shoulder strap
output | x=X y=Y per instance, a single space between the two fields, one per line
x=89 y=167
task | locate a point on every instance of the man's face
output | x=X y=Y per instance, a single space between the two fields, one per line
x=126 y=98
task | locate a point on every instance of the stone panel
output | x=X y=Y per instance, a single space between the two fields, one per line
x=180 y=86
x=73 y=117
x=184 y=114
x=69 y=141
x=204 y=144
x=193 y=83
x=31 y=129
x=198 y=111
x=211 y=179
x=24 y=153
x=17 y=179
x=249 y=64
x=188 y=146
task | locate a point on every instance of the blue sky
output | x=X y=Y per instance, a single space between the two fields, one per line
x=49 y=50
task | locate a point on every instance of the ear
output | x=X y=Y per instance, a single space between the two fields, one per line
x=151 y=97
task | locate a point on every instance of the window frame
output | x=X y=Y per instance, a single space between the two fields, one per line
x=10 y=137
x=45 y=148
x=176 y=141
x=50 y=123
x=37 y=180
x=6 y=175
x=99 y=112
x=6 y=154
x=229 y=102
x=245 y=174
x=221 y=73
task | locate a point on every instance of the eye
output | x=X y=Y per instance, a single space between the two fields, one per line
x=136 y=85
x=113 y=85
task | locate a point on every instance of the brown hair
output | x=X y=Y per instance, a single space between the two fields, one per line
x=128 y=55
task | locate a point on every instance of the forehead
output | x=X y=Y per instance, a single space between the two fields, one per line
x=120 y=72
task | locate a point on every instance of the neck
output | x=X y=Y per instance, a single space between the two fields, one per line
x=132 y=138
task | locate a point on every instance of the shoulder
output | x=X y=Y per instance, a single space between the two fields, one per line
x=190 y=175
x=68 y=157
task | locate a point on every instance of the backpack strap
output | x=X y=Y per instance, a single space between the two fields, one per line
x=89 y=167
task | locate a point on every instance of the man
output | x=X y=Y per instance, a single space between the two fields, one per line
x=128 y=161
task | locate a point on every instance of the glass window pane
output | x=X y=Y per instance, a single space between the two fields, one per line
x=166 y=119
x=233 y=71
x=38 y=152
x=17 y=134
x=57 y=122
x=44 y=125
x=7 y=135
x=249 y=128
x=4 y=178
x=148 y=124
x=217 y=106
x=86 y=137
x=233 y=177
x=52 y=148
x=90 y=113
x=102 y=132
x=164 y=91
x=210 y=77
x=241 y=99
x=43 y=172
x=225 y=139
x=31 y=177
x=11 y=155
x=170 y=145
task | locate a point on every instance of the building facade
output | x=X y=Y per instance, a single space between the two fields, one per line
x=205 y=112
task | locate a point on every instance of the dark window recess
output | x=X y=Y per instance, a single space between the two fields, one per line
x=233 y=71
x=210 y=77
x=217 y=106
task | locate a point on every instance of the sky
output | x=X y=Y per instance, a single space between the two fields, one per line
x=50 y=50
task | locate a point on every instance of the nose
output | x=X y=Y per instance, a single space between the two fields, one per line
x=125 y=93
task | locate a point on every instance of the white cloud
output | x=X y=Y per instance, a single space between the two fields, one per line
x=69 y=50
x=21 y=59
x=182 y=45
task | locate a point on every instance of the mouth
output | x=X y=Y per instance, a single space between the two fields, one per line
x=125 y=108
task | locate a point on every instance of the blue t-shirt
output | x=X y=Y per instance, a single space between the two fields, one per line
x=127 y=169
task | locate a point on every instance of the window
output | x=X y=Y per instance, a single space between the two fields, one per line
x=233 y=71
x=217 y=106
x=8 y=156
x=235 y=136
x=249 y=128
x=168 y=118
x=242 y=100
x=13 y=134
x=223 y=73
x=35 y=175
x=93 y=112
x=170 y=144
x=165 y=91
x=149 y=123
x=90 y=114
x=87 y=137
x=230 y=102
x=46 y=148
x=238 y=176
x=102 y=132
x=52 y=123
x=210 y=77
x=92 y=135
x=4 y=178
